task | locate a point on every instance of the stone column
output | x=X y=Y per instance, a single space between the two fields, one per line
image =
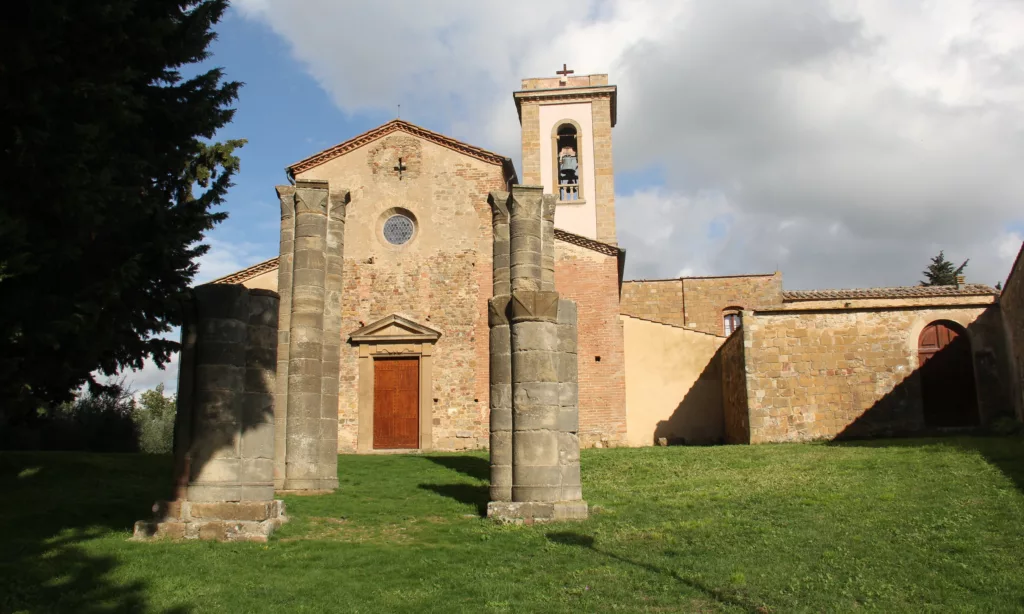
x=314 y=338
x=547 y=239
x=543 y=456
x=500 y=355
x=258 y=433
x=568 y=403
x=219 y=391
x=331 y=369
x=306 y=339
x=224 y=436
x=286 y=195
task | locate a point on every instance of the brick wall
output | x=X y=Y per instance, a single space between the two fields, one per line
x=659 y=300
x=734 y=389
x=1011 y=303
x=591 y=279
x=705 y=298
x=819 y=375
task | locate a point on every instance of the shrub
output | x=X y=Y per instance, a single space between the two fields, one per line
x=154 y=418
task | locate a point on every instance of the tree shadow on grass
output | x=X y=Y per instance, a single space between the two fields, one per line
x=569 y=538
x=55 y=503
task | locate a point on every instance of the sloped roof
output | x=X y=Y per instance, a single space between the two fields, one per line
x=248 y=273
x=398 y=125
x=256 y=270
x=883 y=293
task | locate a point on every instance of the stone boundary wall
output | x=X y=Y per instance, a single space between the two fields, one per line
x=655 y=300
x=698 y=303
x=705 y=298
x=1011 y=303
x=735 y=412
x=827 y=374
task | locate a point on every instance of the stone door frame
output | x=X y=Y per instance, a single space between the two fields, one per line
x=403 y=338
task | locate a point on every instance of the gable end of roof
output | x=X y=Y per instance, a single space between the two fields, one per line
x=398 y=125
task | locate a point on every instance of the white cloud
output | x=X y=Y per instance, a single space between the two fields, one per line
x=848 y=141
x=226 y=257
x=223 y=258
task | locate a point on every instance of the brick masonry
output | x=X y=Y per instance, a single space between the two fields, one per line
x=591 y=279
x=1011 y=303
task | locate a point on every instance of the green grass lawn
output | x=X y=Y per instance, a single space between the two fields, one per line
x=889 y=526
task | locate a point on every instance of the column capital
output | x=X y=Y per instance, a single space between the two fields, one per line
x=286 y=194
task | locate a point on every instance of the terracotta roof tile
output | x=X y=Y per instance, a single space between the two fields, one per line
x=394 y=126
x=248 y=273
x=897 y=292
x=598 y=246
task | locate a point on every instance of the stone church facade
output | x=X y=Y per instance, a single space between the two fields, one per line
x=417 y=271
x=405 y=273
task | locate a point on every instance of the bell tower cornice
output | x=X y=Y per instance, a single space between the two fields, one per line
x=555 y=95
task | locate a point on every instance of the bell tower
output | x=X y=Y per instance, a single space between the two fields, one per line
x=567 y=126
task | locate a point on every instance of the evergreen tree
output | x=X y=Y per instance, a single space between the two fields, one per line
x=108 y=182
x=941 y=272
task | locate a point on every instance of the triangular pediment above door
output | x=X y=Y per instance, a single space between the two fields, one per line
x=395 y=328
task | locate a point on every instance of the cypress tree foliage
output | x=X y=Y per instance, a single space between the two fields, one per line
x=941 y=272
x=107 y=183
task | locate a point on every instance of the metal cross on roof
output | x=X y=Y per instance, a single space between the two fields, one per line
x=565 y=72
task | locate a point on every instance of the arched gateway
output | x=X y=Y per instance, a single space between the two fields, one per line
x=947 y=376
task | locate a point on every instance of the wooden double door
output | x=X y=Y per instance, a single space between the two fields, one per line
x=396 y=403
x=947 y=376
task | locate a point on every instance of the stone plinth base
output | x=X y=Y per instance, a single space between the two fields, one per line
x=516 y=512
x=221 y=521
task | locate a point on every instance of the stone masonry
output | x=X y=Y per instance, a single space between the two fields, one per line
x=1011 y=303
x=815 y=373
x=224 y=427
x=545 y=474
x=698 y=303
x=312 y=248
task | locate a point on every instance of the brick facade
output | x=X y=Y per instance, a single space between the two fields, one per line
x=1011 y=303
x=591 y=279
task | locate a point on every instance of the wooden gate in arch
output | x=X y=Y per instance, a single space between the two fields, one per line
x=947 y=376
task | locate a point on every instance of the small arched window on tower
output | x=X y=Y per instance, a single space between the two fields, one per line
x=567 y=161
x=731 y=320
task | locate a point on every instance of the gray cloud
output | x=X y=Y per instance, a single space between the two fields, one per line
x=844 y=142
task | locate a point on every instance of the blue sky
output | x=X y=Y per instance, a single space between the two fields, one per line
x=844 y=142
